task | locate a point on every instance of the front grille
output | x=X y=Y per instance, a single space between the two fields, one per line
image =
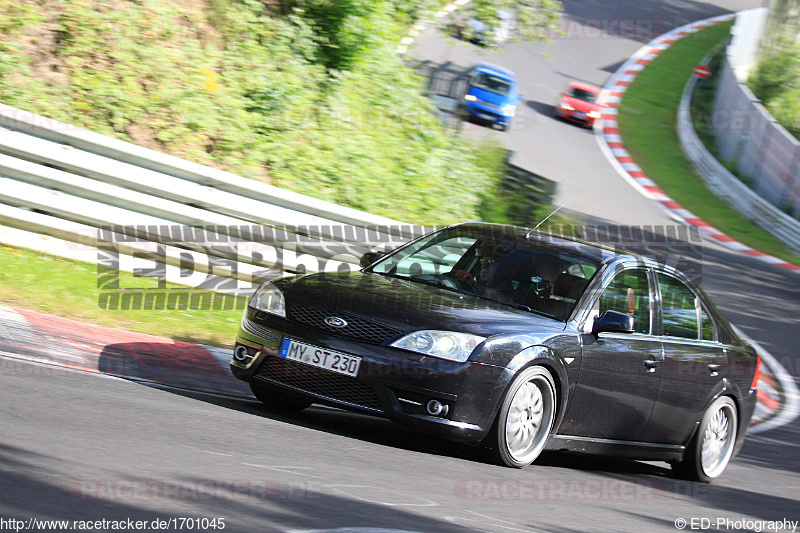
x=328 y=385
x=490 y=105
x=358 y=328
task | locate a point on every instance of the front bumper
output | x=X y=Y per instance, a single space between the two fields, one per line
x=391 y=382
x=488 y=114
x=573 y=115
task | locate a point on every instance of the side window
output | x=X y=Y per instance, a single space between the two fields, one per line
x=706 y=326
x=629 y=293
x=680 y=309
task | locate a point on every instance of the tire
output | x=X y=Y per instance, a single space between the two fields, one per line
x=525 y=419
x=279 y=400
x=712 y=446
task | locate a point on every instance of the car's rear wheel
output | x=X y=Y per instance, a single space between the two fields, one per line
x=525 y=418
x=712 y=447
x=278 y=399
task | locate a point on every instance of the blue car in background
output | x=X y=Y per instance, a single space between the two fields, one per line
x=492 y=94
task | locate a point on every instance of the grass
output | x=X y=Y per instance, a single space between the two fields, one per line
x=42 y=282
x=647 y=123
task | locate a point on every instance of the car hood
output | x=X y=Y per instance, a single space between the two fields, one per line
x=493 y=98
x=580 y=105
x=409 y=306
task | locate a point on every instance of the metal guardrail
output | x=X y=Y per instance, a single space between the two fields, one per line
x=78 y=194
x=82 y=195
x=747 y=134
x=85 y=142
x=727 y=186
x=529 y=191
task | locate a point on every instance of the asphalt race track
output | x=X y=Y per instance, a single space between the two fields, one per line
x=77 y=445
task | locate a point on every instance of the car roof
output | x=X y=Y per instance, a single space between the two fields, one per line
x=584 y=86
x=560 y=243
x=619 y=254
x=489 y=68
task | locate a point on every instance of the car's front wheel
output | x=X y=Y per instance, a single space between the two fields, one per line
x=712 y=447
x=525 y=418
x=277 y=399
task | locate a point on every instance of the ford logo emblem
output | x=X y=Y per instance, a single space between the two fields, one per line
x=336 y=322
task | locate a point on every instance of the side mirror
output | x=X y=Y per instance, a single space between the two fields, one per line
x=368 y=258
x=613 y=322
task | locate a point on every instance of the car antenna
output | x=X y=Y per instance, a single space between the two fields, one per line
x=548 y=216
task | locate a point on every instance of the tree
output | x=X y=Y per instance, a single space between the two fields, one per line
x=534 y=19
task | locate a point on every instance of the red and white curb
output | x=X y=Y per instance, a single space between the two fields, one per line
x=778 y=396
x=60 y=343
x=610 y=141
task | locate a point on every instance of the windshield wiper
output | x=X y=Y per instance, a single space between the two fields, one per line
x=432 y=282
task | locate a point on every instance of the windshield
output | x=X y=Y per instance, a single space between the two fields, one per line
x=490 y=83
x=581 y=94
x=530 y=274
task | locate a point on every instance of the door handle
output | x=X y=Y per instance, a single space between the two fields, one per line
x=651 y=364
x=714 y=368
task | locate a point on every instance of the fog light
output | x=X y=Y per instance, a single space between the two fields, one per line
x=436 y=408
x=240 y=353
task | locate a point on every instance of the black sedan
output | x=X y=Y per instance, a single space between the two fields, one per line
x=513 y=339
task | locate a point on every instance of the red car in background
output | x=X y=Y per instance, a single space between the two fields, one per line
x=579 y=103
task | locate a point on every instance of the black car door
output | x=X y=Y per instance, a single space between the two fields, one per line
x=619 y=375
x=694 y=362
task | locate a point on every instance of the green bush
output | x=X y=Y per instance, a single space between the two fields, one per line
x=305 y=95
x=776 y=82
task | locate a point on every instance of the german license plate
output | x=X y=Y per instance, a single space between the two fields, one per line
x=338 y=362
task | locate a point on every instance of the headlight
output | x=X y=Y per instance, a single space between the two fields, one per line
x=470 y=97
x=444 y=344
x=269 y=298
x=566 y=106
x=594 y=114
x=509 y=110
